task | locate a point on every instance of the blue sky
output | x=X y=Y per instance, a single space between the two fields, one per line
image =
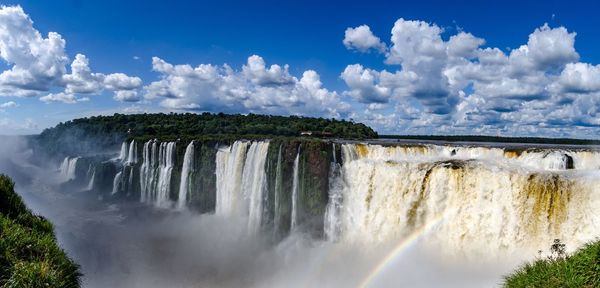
x=402 y=73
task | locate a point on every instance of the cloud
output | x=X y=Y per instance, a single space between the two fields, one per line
x=9 y=104
x=255 y=89
x=127 y=96
x=62 y=97
x=38 y=64
x=452 y=84
x=362 y=39
x=36 y=61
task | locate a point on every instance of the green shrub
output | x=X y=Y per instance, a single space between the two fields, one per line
x=29 y=254
x=581 y=269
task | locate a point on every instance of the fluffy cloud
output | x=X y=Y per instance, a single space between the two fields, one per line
x=9 y=104
x=63 y=97
x=127 y=96
x=362 y=39
x=38 y=64
x=458 y=86
x=255 y=89
x=36 y=61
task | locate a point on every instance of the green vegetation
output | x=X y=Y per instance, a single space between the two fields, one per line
x=497 y=139
x=582 y=269
x=89 y=134
x=29 y=255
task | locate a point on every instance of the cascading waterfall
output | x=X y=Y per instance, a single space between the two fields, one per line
x=254 y=182
x=332 y=223
x=278 y=191
x=229 y=168
x=186 y=170
x=241 y=181
x=117 y=183
x=513 y=200
x=295 y=188
x=149 y=171
x=123 y=153
x=166 y=158
x=90 y=185
x=132 y=155
x=483 y=201
x=67 y=168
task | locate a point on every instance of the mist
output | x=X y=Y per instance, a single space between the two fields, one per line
x=129 y=244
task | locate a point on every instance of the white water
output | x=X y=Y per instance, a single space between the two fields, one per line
x=67 y=168
x=254 y=182
x=117 y=183
x=241 y=181
x=481 y=202
x=295 y=187
x=123 y=153
x=90 y=185
x=132 y=155
x=148 y=171
x=332 y=223
x=278 y=190
x=186 y=170
x=166 y=158
x=229 y=168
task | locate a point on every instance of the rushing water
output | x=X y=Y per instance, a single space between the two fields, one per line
x=295 y=187
x=187 y=168
x=396 y=206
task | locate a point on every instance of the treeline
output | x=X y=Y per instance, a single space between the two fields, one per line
x=474 y=138
x=86 y=134
x=29 y=254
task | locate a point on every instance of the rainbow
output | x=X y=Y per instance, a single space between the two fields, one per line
x=397 y=251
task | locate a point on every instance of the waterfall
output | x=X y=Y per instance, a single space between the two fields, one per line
x=67 y=168
x=132 y=155
x=188 y=167
x=295 y=188
x=486 y=202
x=278 y=190
x=117 y=183
x=166 y=157
x=149 y=171
x=253 y=182
x=241 y=181
x=123 y=154
x=229 y=168
x=90 y=185
x=332 y=223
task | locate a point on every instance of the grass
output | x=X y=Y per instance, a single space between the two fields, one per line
x=581 y=269
x=29 y=254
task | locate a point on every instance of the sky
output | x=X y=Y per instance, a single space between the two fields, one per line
x=509 y=68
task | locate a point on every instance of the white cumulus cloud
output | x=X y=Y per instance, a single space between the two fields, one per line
x=256 y=88
x=63 y=97
x=38 y=64
x=362 y=39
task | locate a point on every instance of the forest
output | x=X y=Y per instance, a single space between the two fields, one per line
x=88 y=134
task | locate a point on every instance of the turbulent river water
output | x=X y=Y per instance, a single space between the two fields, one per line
x=343 y=214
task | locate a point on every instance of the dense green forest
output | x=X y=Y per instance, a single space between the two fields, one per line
x=496 y=139
x=582 y=269
x=95 y=132
x=29 y=254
